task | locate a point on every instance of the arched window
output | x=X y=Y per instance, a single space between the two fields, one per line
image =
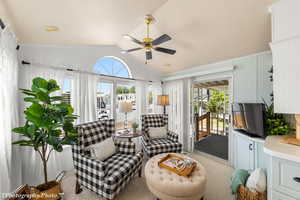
x=112 y=66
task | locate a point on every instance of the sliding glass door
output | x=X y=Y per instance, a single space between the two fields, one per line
x=109 y=96
x=125 y=92
x=105 y=103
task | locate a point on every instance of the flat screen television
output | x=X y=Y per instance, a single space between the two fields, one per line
x=249 y=118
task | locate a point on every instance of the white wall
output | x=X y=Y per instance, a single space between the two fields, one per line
x=250 y=76
x=84 y=57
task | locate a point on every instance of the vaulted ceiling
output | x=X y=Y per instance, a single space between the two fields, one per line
x=203 y=31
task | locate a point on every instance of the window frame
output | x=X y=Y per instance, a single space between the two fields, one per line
x=119 y=60
x=115 y=81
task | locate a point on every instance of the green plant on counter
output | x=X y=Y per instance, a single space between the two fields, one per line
x=49 y=121
x=276 y=124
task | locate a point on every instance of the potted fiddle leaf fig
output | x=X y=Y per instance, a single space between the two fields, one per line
x=48 y=127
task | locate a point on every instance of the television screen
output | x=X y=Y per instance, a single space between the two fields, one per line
x=249 y=118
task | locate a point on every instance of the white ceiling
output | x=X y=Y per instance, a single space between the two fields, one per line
x=81 y=22
x=203 y=31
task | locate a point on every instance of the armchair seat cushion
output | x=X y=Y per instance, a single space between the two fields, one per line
x=120 y=168
x=119 y=164
x=161 y=145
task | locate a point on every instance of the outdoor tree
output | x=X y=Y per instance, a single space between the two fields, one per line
x=218 y=101
x=132 y=90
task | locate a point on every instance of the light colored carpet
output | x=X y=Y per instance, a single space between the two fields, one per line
x=218 y=181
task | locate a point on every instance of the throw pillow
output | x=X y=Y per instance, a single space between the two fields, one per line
x=238 y=178
x=257 y=181
x=158 y=132
x=103 y=150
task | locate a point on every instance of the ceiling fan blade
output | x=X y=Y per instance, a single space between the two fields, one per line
x=148 y=55
x=130 y=50
x=164 y=50
x=132 y=39
x=161 y=39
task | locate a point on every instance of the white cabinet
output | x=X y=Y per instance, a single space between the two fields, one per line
x=285 y=20
x=283 y=170
x=244 y=153
x=285 y=48
x=248 y=152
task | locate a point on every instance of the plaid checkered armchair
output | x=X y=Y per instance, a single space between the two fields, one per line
x=107 y=177
x=153 y=147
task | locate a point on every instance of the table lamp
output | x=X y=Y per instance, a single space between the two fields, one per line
x=125 y=107
x=163 y=100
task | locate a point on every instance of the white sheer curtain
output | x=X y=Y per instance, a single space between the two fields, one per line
x=157 y=90
x=10 y=167
x=84 y=96
x=140 y=99
x=175 y=110
x=32 y=166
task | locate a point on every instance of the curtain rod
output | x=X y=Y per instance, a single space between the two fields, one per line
x=81 y=71
x=2 y=25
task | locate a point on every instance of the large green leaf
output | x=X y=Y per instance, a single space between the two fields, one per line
x=70 y=110
x=31 y=99
x=36 y=110
x=52 y=86
x=68 y=126
x=36 y=120
x=56 y=133
x=69 y=141
x=28 y=92
x=39 y=83
x=21 y=130
x=43 y=96
x=31 y=129
x=24 y=142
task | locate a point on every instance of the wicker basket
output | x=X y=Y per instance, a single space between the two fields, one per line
x=245 y=194
x=53 y=189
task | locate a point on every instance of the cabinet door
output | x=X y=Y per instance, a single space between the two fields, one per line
x=285 y=20
x=244 y=153
x=286 y=76
x=280 y=196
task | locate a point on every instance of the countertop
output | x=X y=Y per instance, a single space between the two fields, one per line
x=275 y=148
x=255 y=139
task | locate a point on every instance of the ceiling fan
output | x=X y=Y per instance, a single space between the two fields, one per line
x=148 y=43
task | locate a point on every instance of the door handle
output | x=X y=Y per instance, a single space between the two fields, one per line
x=297 y=179
x=250 y=147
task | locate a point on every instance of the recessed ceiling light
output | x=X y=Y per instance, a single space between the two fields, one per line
x=51 y=28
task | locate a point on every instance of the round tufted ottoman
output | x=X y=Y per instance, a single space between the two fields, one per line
x=167 y=185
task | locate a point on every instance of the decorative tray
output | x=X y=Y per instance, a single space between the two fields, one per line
x=177 y=164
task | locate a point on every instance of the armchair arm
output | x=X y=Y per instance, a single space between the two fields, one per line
x=125 y=147
x=87 y=168
x=172 y=136
x=146 y=138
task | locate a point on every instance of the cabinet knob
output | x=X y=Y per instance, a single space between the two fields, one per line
x=297 y=179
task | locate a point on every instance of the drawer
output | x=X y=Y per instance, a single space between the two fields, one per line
x=280 y=196
x=284 y=174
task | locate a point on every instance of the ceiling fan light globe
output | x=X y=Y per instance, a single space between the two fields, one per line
x=126 y=36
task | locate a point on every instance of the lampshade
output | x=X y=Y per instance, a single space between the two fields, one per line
x=125 y=106
x=163 y=100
